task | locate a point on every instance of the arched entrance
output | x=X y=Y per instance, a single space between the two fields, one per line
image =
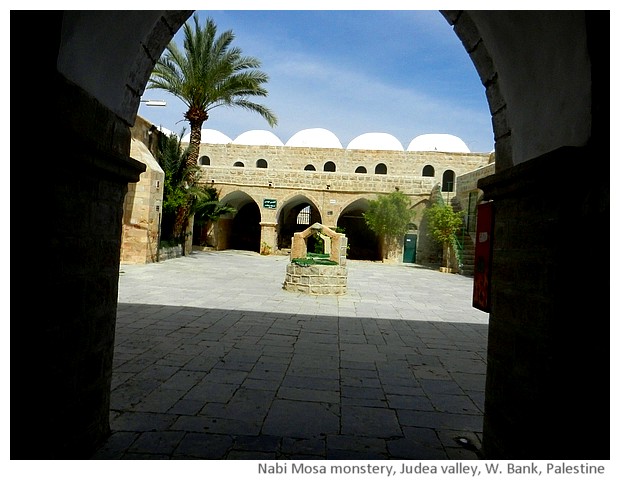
x=241 y=230
x=363 y=242
x=297 y=214
x=246 y=228
x=546 y=116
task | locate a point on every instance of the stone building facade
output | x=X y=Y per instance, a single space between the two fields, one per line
x=279 y=189
x=142 y=205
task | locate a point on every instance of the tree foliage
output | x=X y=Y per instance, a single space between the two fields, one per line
x=179 y=173
x=444 y=224
x=209 y=72
x=389 y=216
x=183 y=195
x=208 y=207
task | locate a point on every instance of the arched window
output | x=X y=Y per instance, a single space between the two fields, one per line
x=447 y=182
x=261 y=163
x=310 y=167
x=204 y=160
x=381 y=169
x=360 y=170
x=428 y=171
x=329 y=167
x=238 y=164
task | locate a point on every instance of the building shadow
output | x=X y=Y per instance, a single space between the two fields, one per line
x=198 y=383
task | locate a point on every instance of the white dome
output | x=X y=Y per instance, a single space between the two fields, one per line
x=208 y=135
x=258 y=137
x=375 y=141
x=437 y=142
x=314 y=137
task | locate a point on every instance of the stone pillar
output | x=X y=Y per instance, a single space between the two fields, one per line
x=548 y=345
x=63 y=347
x=268 y=237
x=142 y=210
x=222 y=232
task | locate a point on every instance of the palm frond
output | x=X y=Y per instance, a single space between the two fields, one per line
x=209 y=72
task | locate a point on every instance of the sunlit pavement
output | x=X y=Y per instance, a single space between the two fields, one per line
x=215 y=360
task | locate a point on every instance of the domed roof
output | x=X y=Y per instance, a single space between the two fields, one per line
x=258 y=137
x=375 y=141
x=437 y=142
x=314 y=137
x=208 y=135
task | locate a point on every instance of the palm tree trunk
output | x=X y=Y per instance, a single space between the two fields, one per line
x=195 y=136
x=180 y=222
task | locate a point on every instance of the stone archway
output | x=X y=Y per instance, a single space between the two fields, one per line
x=531 y=400
x=296 y=214
x=240 y=230
x=363 y=242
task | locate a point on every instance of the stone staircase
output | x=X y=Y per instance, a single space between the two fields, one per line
x=467 y=254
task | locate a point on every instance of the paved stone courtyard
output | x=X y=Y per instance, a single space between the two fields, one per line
x=215 y=360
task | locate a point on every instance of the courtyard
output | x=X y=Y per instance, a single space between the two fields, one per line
x=215 y=360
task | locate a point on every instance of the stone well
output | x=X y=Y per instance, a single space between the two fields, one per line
x=318 y=279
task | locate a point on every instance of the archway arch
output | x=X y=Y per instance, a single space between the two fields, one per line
x=240 y=231
x=297 y=213
x=537 y=127
x=363 y=242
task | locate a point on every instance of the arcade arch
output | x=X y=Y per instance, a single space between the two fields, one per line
x=296 y=214
x=363 y=242
x=241 y=230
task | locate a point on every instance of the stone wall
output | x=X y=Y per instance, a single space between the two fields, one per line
x=316 y=279
x=285 y=180
x=143 y=202
x=542 y=357
x=332 y=193
x=398 y=163
x=62 y=409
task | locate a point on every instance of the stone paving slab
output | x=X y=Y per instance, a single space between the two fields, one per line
x=215 y=360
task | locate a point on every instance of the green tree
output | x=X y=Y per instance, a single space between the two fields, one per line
x=183 y=195
x=389 y=216
x=444 y=224
x=179 y=178
x=207 y=73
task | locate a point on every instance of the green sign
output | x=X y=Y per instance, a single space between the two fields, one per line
x=270 y=203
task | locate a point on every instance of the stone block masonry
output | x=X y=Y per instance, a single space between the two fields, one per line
x=327 y=179
x=316 y=279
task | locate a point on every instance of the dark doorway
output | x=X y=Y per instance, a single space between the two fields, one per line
x=363 y=242
x=246 y=228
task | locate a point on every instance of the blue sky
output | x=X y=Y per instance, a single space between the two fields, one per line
x=401 y=72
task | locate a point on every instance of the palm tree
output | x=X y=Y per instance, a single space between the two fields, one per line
x=207 y=209
x=209 y=73
x=179 y=186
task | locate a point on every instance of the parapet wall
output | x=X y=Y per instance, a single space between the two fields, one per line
x=401 y=163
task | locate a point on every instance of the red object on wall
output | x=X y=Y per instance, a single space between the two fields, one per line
x=482 y=257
